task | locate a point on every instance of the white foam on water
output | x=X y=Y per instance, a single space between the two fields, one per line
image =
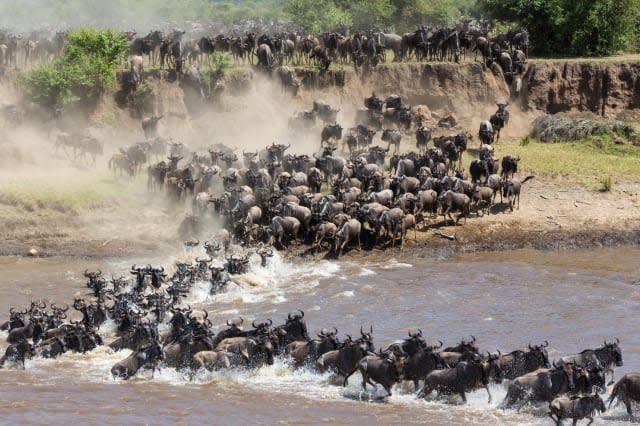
x=364 y=272
x=343 y=294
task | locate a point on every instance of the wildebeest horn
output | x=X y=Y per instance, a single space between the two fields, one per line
x=253 y=324
x=12 y=310
x=361 y=331
x=335 y=331
x=473 y=338
x=270 y=322
x=530 y=348
x=323 y=332
x=409 y=333
x=289 y=316
x=206 y=314
x=441 y=344
x=301 y=313
x=86 y=274
x=419 y=332
x=617 y=340
x=241 y=320
x=546 y=343
x=99 y=272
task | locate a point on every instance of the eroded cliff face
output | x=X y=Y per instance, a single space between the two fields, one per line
x=547 y=87
x=600 y=88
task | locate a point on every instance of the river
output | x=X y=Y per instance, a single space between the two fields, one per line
x=573 y=299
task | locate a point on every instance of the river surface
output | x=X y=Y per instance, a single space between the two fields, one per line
x=573 y=299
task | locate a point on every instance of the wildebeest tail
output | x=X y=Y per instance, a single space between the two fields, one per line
x=527 y=178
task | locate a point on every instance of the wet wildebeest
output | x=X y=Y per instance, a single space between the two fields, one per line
x=576 y=408
x=385 y=369
x=541 y=385
x=147 y=357
x=626 y=390
x=464 y=377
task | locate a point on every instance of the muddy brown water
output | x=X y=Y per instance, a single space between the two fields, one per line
x=573 y=299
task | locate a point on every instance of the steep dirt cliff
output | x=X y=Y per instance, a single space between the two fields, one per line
x=600 y=88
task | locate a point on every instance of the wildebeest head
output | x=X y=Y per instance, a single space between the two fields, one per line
x=236 y=324
x=540 y=353
x=464 y=346
x=614 y=352
x=296 y=327
x=367 y=338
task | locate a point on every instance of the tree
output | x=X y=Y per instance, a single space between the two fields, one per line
x=569 y=27
x=85 y=70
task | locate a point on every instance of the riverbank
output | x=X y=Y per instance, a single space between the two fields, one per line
x=552 y=215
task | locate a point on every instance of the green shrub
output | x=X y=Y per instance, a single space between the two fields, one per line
x=606 y=183
x=86 y=68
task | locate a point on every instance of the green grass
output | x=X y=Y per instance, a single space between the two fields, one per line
x=587 y=162
x=82 y=190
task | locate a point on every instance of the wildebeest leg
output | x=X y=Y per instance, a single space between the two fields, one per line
x=575 y=421
x=556 y=421
x=464 y=396
x=487 y=388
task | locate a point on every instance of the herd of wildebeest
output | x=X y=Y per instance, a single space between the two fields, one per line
x=272 y=47
x=361 y=194
x=151 y=320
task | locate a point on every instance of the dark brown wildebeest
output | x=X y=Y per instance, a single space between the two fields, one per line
x=309 y=351
x=147 y=357
x=605 y=357
x=540 y=385
x=331 y=132
x=576 y=408
x=626 y=390
x=509 y=166
x=518 y=362
x=423 y=135
x=384 y=368
x=464 y=377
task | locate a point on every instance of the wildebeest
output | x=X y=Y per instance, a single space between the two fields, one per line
x=485 y=134
x=576 y=408
x=392 y=137
x=540 y=385
x=385 y=369
x=17 y=353
x=511 y=190
x=146 y=357
x=309 y=351
x=605 y=357
x=627 y=389
x=451 y=201
x=423 y=135
x=464 y=377
x=331 y=132
x=349 y=232
x=518 y=362
x=509 y=166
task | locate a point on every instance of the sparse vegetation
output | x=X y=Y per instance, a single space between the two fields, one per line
x=606 y=183
x=583 y=161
